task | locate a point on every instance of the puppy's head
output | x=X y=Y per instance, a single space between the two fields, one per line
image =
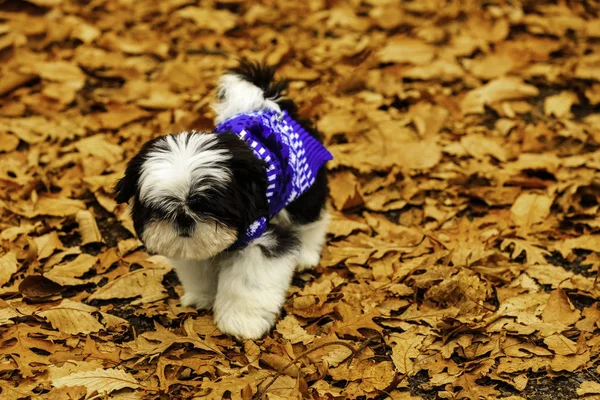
x=193 y=194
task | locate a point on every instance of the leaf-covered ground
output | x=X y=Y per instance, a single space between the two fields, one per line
x=462 y=261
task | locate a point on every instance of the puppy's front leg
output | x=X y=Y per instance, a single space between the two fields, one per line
x=253 y=284
x=199 y=280
x=312 y=238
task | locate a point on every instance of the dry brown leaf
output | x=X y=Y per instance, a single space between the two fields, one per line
x=219 y=21
x=72 y=317
x=405 y=350
x=58 y=71
x=441 y=69
x=495 y=91
x=342 y=225
x=68 y=273
x=586 y=242
x=47 y=244
x=471 y=390
x=278 y=363
x=8 y=142
x=401 y=49
x=364 y=376
x=99 y=146
x=345 y=191
x=480 y=146
x=144 y=282
x=290 y=328
x=99 y=380
x=533 y=254
x=119 y=115
x=352 y=321
x=88 y=229
x=6 y=313
x=588 y=387
x=531 y=208
x=570 y=363
x=58 y=207
x=560 y=104
x=559 y=309
x=8 y=266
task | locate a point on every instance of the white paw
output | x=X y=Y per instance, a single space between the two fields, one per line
x=308 y=259
x=200 y=301
x=245 y=323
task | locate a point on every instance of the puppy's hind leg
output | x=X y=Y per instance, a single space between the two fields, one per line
x=312 y=237
x=199 y=280
x=253 y=284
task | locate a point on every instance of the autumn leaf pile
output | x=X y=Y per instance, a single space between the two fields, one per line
x=463 y=255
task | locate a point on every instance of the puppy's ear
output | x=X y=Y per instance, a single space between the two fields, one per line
x=125 y=188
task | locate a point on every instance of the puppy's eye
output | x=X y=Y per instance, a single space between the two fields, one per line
x=196 y=203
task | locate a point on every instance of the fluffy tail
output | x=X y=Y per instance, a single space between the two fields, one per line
x=249 y=87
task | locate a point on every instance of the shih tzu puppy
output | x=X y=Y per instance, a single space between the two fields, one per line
x=236 y=210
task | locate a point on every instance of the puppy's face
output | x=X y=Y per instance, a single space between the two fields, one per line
x=193 y=194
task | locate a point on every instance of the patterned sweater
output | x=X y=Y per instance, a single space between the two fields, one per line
x=293 y=158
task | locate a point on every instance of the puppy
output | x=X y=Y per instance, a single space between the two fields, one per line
x=236 y=210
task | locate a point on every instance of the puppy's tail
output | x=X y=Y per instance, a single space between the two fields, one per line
x=249 y=87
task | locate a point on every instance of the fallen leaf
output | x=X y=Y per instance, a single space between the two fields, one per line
x=39 y=287
x=47 y=244
x=345 y=191
x=559 y=309
x=144 y=283
x=8 y=266
x=104 y=381
x=560 y=104
x=72 y=317
x=588 y=387
x=291 y=330
x=495 y=91
x=88 y=229
x=219 y=21
x=68 y=273
x=405 y=350
x=561 y=345
x=401 y=49
x=531 y=208
x=352 y=321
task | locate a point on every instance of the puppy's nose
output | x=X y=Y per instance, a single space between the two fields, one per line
x=185 y=225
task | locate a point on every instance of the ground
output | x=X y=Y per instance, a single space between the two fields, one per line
x=462 y=259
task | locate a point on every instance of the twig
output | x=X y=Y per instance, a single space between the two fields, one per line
x=362 y=347
x=312 y=350
x=393 y=385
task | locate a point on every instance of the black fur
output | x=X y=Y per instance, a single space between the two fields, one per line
x=285 y=242
x=306 y=208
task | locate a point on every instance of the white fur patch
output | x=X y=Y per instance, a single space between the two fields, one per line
x=199 y=280
x=312 y=237
x=252 y=289
x=237 y=96
x=207 y=240
x=177 y=163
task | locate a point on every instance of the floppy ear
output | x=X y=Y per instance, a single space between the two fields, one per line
x=127 y=186
x=125 y=189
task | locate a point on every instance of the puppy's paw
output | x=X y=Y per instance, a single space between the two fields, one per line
x=245 y=323
x=308 y=259
x=200 y=301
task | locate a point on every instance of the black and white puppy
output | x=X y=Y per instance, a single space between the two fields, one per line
x=193 y=195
